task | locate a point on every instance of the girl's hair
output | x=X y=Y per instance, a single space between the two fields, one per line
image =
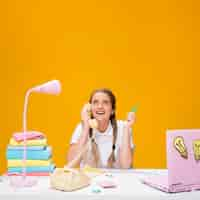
x=94 y=147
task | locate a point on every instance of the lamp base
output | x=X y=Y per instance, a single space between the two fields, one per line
x=22 y=181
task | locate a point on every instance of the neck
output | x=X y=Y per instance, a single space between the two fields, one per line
x=103 y=125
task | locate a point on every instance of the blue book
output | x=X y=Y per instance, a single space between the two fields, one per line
x=44 y=154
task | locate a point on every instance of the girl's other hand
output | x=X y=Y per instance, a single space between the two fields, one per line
x=131 y=118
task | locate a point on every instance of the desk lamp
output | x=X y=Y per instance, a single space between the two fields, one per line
x=51 y=87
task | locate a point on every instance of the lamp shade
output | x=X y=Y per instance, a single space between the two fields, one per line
x=50 y=87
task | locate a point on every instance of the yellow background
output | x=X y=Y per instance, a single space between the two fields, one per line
x=147 y=52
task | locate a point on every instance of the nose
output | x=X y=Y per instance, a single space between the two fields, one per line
x=100 y=105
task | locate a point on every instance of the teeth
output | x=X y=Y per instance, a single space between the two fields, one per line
x=100 y=112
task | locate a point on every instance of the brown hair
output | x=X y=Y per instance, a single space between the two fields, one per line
x=94 y=147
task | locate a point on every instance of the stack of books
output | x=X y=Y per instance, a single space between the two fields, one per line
x=38 y=154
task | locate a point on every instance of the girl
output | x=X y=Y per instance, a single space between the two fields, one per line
x=111 y=141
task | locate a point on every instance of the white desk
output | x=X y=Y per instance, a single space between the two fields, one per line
x=129 y=188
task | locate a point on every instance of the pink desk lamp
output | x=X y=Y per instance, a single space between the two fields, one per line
x=51 y=87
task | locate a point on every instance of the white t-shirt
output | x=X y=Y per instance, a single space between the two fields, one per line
x=104 y=140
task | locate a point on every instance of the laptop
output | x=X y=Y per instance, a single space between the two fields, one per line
x=183 y=163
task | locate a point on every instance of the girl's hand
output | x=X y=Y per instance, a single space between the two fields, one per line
x=85 y=114
x=131 y=118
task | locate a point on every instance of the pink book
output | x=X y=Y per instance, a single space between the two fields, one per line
x=19 y=136
x=107 y=184
x=30 y=174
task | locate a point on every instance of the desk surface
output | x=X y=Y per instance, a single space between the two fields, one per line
x=129 y=186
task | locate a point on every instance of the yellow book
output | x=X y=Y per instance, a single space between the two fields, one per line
x=20 y=163
x=35 y=142
x=91 y=171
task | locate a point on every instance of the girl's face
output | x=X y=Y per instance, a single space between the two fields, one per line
x=101 y=106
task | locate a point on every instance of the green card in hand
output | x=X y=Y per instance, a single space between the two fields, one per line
x=134 y=109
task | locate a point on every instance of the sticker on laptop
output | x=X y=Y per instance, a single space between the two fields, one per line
x=196 y=149
x=180 y=146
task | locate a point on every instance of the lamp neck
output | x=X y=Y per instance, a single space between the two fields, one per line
x=25 y=110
